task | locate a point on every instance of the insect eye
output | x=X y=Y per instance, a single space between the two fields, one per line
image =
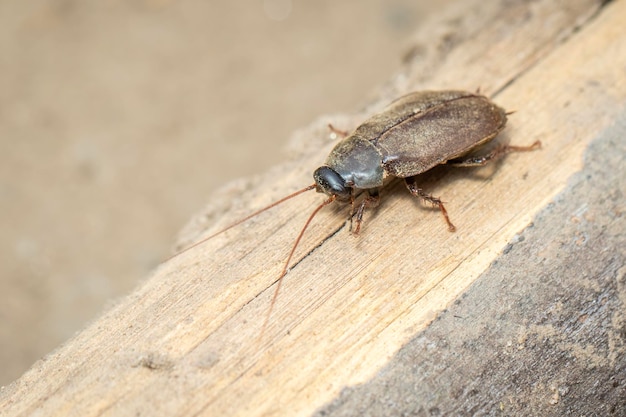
x=330 y=182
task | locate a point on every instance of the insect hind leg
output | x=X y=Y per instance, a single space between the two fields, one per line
x=497 y=153
x=419 y=193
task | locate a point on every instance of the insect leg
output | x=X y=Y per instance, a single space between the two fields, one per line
x=340 y=133
x=418 y=192
x=371 y=200
x=497 y=153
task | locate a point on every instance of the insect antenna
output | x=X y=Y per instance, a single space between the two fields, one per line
x=286 y=267
x=238 y=222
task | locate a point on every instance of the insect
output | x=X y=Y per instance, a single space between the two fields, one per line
x=412 y=135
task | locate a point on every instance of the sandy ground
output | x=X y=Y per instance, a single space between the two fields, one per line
x=119 y=119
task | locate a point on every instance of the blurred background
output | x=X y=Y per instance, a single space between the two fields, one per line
x=118 y=119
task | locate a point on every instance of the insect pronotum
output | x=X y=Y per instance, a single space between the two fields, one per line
x=412 y=135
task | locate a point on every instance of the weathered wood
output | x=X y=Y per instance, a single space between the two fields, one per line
x=542 y=332
x=187 y=342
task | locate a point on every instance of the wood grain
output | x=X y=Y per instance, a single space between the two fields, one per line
x=187 y=341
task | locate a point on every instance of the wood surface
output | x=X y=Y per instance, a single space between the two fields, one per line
x=188 y=341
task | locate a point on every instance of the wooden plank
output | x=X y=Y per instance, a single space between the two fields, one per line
x=187 y=342
x=542 y=332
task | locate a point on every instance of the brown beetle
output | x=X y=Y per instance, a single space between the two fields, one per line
x=412 y=135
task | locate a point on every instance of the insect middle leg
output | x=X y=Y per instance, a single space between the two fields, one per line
x=495 y=154
x=418 y=192
x=371 y=200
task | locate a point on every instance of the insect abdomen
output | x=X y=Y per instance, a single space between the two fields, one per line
x=443 y=132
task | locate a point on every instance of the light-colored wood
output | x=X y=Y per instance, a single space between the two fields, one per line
x=187 y=341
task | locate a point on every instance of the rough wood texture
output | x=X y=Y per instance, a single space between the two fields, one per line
x=542 y=332
x=187 y=342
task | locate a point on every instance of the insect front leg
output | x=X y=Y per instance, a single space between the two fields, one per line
x=418 y=192
x=497 y=153
x=340 y=133
x=371 y=200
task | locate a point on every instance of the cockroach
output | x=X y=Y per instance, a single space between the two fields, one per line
x=409 y=137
